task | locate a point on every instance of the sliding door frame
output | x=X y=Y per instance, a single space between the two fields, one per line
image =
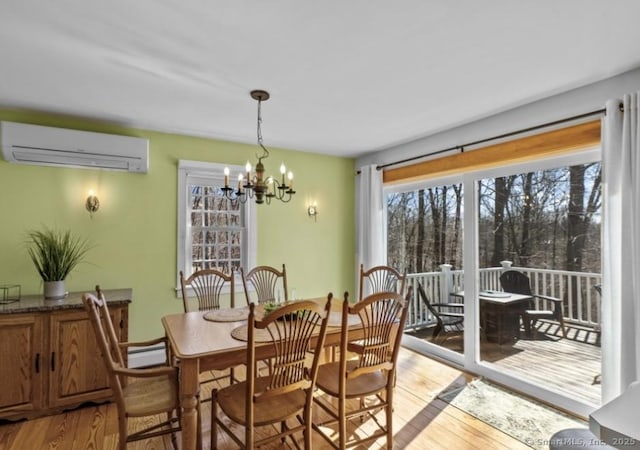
x=470 y=360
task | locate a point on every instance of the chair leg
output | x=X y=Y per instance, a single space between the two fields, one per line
x=527 y=324
x=122 y=428
x=199 y=421
x=249 y=440
x=342 y=423
x=564 y=330
x=436 y=331
x=174 y=441
x=307 y=425
x=389 y=413
x=214 y=415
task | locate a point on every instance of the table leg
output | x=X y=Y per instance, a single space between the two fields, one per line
x=189 y=385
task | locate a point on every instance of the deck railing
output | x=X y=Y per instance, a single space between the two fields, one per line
x=581 y=301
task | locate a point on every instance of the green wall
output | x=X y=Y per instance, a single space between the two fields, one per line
x=134 y=232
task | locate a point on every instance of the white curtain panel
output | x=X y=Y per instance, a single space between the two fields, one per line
x=370 y=233
x=621 y=250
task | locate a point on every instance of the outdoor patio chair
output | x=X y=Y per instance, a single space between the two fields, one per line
x=516 y=282
x=449 y=316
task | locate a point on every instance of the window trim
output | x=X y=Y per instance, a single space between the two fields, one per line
x=212 y=171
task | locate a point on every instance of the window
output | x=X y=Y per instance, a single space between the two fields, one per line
x=213 y=232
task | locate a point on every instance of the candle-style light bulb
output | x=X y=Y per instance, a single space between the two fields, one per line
x=247 y=169
x=283 y=171
x=290 y=176
x=226 y=177
x=239 y=182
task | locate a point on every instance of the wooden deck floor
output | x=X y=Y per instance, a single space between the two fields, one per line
x=570 y=365
x=421 y=420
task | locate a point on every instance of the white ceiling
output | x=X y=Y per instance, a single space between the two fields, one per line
x=345 y=77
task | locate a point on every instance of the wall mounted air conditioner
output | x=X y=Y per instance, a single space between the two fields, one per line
x=47 y=146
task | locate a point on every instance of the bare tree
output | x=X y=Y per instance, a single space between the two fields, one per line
x=500 y=203
x=419 y=257
x=580 y=213
x=529 y=218
x=436 y=224
x=457 y=219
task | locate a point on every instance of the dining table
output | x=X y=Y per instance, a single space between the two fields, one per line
x=504 y=309
x=200 y=342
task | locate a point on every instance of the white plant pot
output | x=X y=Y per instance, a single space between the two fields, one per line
x=54 y=290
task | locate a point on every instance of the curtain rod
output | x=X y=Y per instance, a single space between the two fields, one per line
x=493 y=138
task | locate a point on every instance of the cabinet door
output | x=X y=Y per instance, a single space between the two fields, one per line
x=77 y=371
x=21 y=370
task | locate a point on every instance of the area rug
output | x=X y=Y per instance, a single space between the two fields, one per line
x=531 y=422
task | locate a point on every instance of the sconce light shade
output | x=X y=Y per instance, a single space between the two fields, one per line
x=92 y=204
x=312 y=210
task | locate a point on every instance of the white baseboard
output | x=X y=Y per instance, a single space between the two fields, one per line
x=151 y=356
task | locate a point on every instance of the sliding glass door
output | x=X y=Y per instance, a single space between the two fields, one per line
x=538 y=274
x=521 y=263
x=425 y=240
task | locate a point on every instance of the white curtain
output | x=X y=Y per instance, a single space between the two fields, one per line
x=621 y=255
x=370 y=213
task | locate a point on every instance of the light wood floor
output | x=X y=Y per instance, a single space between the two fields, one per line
x=420 y=420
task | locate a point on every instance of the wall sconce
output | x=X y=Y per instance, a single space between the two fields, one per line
x=92 y=204
x=312 y=210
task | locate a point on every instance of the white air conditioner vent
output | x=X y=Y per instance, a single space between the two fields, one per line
x=49 y=146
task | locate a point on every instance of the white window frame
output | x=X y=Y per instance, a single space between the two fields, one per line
x=214 y=172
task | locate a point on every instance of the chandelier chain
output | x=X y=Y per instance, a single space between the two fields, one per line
x=264 y=149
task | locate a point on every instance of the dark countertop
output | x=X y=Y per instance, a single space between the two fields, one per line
x=73 y=300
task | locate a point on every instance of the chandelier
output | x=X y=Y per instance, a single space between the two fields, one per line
x=255 y=184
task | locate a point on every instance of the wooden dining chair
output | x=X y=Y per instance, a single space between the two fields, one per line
x=207 y=286
x=138 y=392
x=285 y=396
x=367 y=380
x=380 y=279
x=265 y=281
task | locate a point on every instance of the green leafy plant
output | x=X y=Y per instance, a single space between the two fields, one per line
x=56 y=253
x=269 y=307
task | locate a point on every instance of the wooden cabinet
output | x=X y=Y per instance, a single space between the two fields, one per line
x=50 y=358
x=21 y=371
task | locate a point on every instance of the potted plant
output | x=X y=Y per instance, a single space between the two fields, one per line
x=55 y=253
